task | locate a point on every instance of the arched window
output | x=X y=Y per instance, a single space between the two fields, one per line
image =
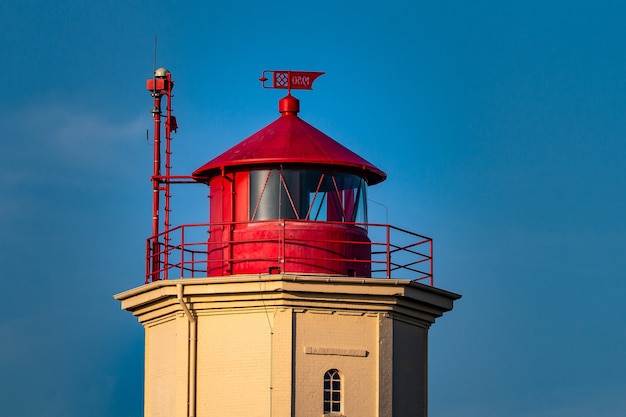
x=332 y=391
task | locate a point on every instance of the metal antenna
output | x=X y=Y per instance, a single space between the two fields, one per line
x=155 y=54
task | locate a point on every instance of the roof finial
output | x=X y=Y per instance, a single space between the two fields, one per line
x=289 y=105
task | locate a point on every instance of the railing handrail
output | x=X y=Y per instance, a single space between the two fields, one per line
x=190 y=257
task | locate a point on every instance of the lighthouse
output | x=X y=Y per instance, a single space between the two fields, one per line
x=288 y=302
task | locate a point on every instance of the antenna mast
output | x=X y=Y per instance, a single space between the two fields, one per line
x=161 y=85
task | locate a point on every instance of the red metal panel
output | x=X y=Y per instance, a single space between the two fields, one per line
x=160 y=84
x=242 y=196
x=216 y=248
x=306 y=247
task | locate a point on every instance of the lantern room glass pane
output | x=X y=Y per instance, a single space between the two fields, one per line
x=268 y=195
x=307 y=195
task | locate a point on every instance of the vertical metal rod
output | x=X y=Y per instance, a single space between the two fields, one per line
x=388 y=251
x=182 y=253
x=281 y=248
x=231 y=226
x=168 y=167
x=283 y=267
x=148 y=261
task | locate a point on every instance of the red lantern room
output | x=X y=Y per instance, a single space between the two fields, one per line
x=288 y=199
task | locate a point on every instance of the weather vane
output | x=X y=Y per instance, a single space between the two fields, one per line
x=296 y=80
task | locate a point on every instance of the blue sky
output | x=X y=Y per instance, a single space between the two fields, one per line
x=500 y=126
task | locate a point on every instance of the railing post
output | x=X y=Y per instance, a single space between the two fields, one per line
x=166 y=259
x=283 y=248
x=229 y=251
x=193 y=265
x=388 y=251
x=148 y=260
x=182 y=253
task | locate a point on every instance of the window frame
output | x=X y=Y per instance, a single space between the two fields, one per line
x=333 y=393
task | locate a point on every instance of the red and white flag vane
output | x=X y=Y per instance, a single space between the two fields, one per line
x=289 y=80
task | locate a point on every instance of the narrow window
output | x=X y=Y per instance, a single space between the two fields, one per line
x=332 y=392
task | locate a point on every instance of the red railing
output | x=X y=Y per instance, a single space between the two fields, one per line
x=395 y=252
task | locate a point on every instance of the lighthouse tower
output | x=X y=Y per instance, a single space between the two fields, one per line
x=288 y=302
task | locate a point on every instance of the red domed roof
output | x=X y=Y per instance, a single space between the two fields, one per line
x=292 y=143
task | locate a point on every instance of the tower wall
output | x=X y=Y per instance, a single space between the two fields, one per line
x=340 y=339
x=265 y=342
x=166 y=367
x=234 y=362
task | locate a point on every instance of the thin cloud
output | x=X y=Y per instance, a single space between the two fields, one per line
x=57 y=144
x=67 y=134
x=89 y=135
